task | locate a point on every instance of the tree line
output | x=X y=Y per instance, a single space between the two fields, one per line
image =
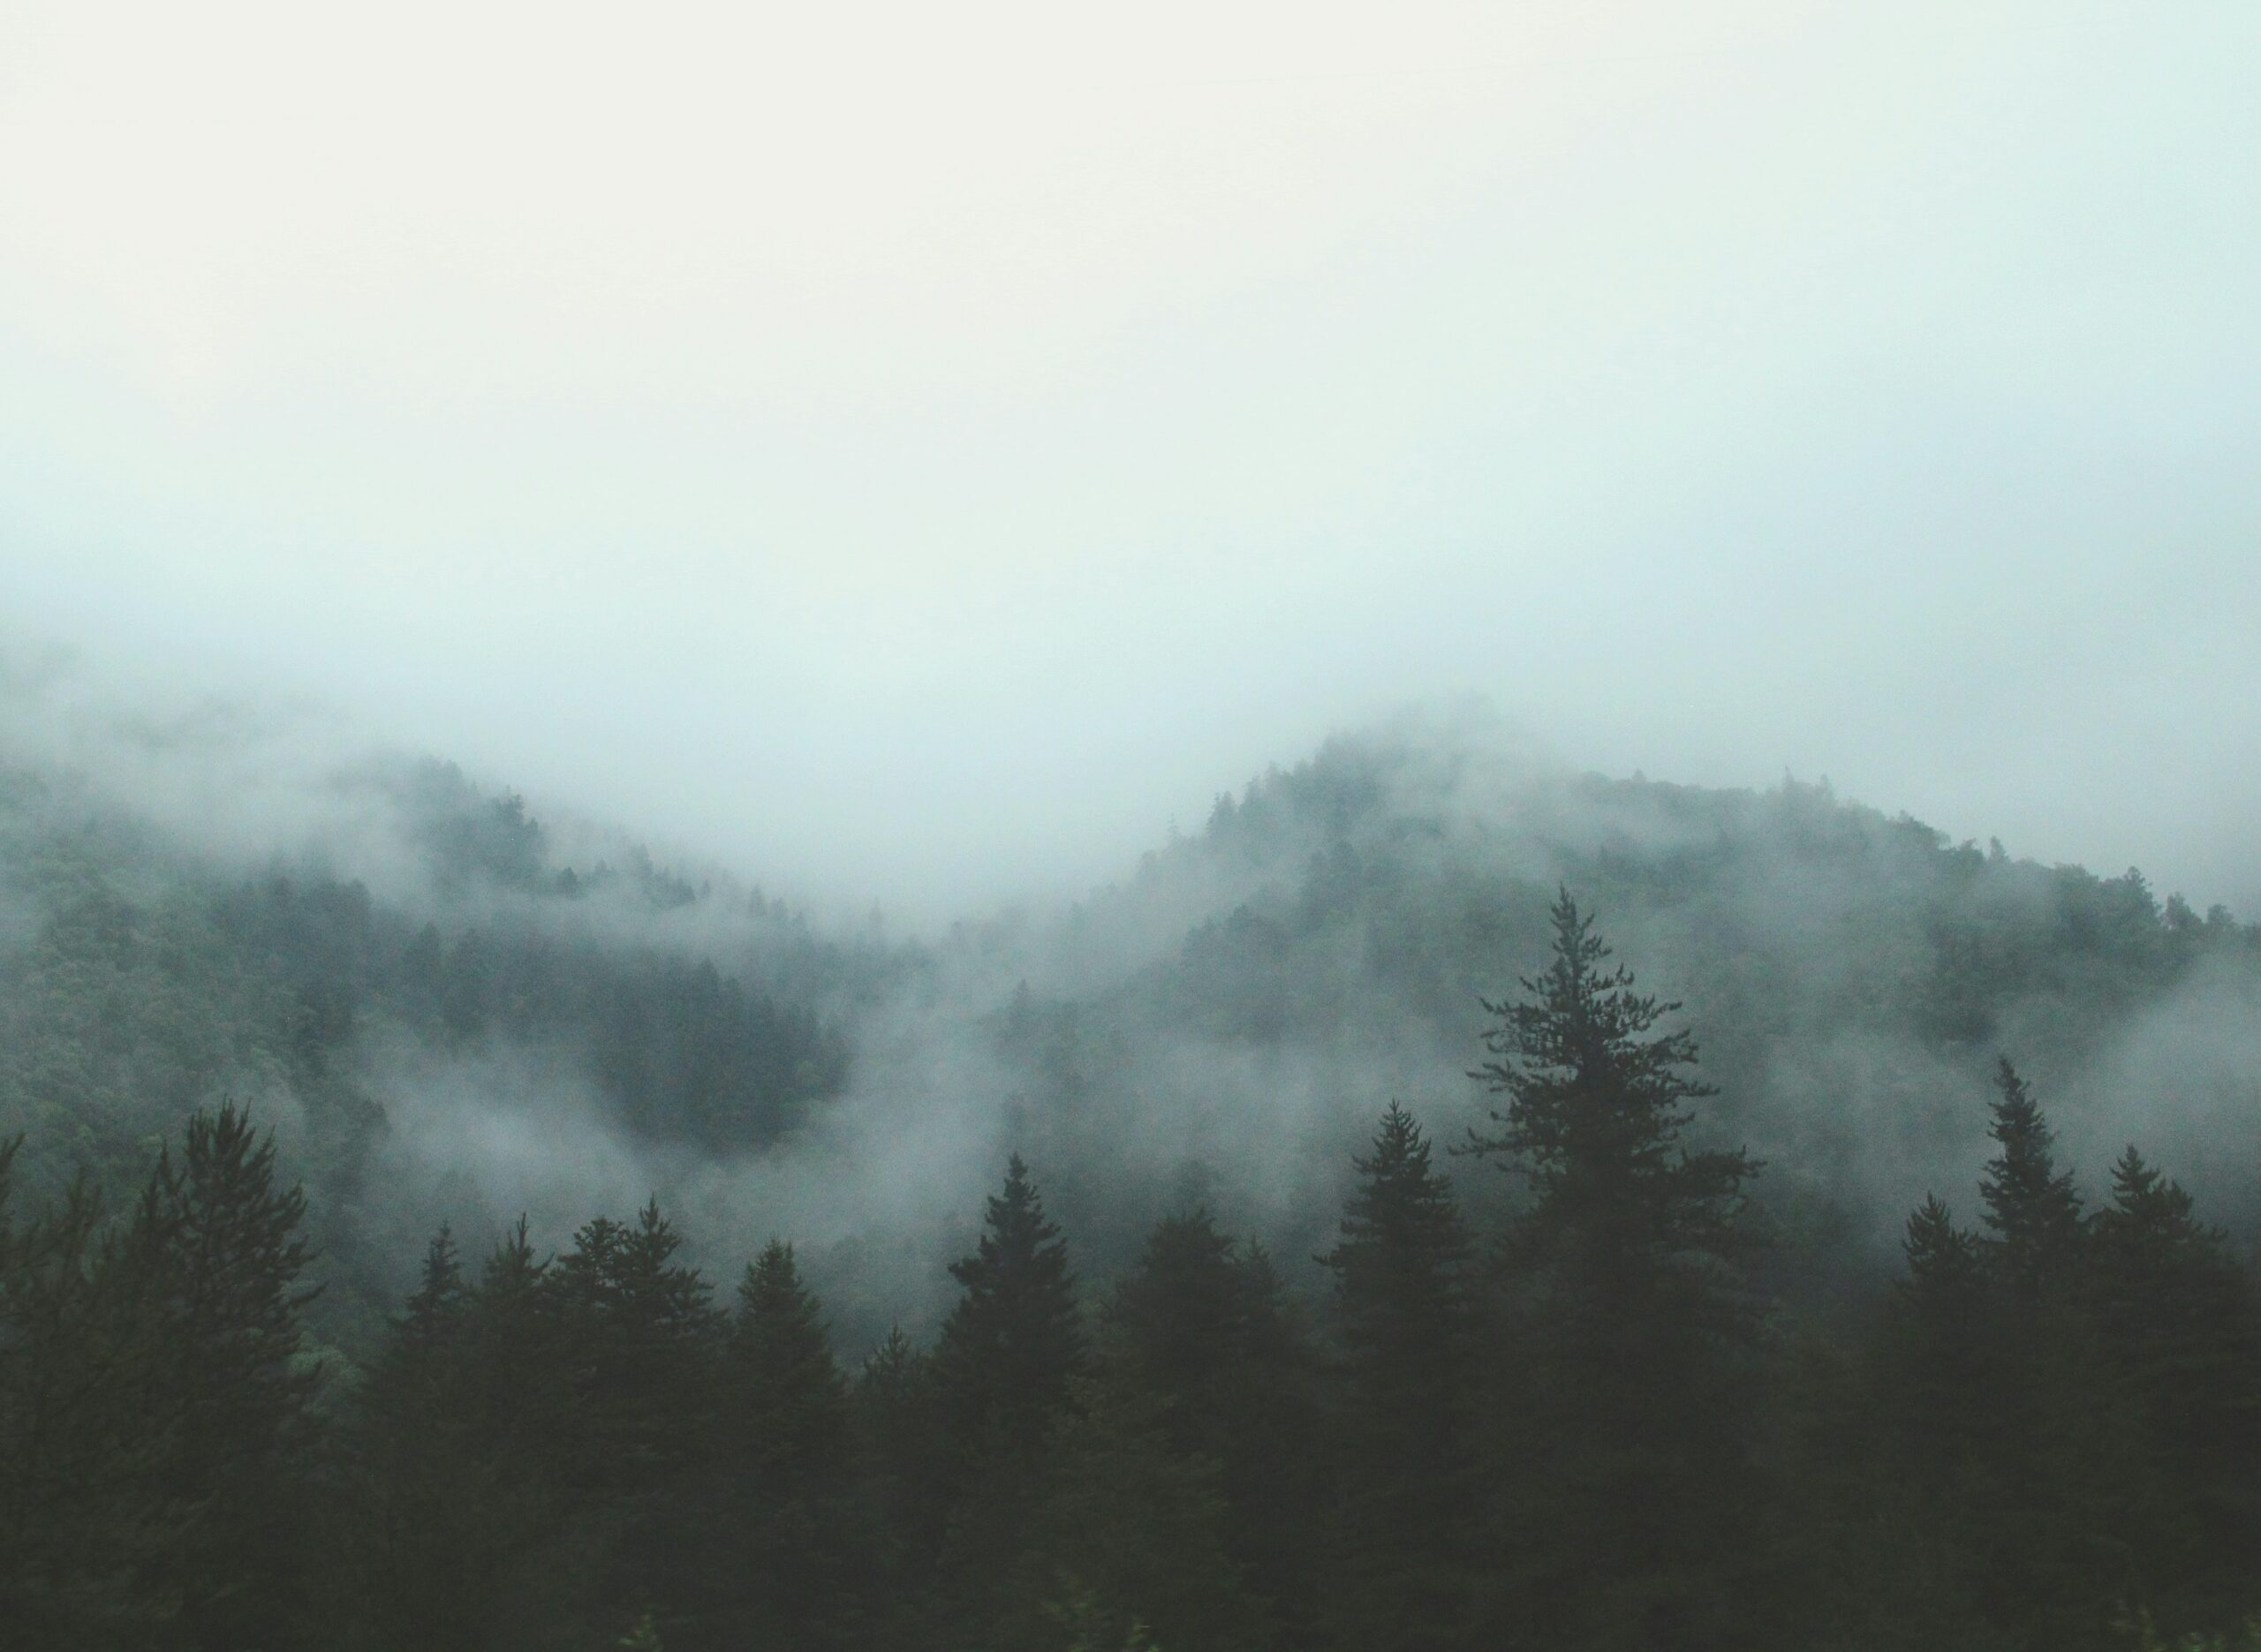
x=1586 y=1425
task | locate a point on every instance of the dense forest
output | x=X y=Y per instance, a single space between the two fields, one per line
x=1591 y=1425
x=1317 y=1238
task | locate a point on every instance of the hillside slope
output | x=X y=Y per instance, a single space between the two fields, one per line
x=471 y=1020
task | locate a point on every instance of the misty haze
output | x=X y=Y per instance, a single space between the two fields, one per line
x=1208 y=829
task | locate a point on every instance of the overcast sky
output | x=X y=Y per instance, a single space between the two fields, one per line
x=908 y=450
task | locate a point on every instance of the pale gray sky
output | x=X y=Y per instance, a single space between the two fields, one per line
x=911 y=451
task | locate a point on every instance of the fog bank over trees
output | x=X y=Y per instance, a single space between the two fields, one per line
x=454 y=1005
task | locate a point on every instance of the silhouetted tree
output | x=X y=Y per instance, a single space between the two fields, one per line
x=645 y=1342
x=94 y=1529
x=794 y=1547
x=222 y=1246
x=1012 y=1342
x=1408 y=1328
x=1630 y=1359
x=2180 y=1328
x=1202 y=1329
x=1004 y=1364
x=2032 y=1210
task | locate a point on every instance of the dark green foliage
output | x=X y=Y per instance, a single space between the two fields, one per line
x=1202 y=1332
x=224 y=1248
x=1594 y=1112
x=93 y=1531
x=2031 y=1207
x=798 y=1548
x=2179 y=1324
x=644 y=1344
x=1943 y=1311
x=645 y=1334
x=1134 y=1530
x=2051 y=1563
x=157 y=1484
x=434 y=1517
x=1004 y=1365
x=1628 y=1361
x=2042 y=1432
x=2062 y=1418
x=787 y=1405
x=1013 y=1341
x=1403 y=1305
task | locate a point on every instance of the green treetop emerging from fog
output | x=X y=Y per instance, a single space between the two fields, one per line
x=1631 y=1389
x=2031 y=1207
x=1593 y=1109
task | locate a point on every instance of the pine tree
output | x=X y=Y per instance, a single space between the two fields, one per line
x=1626 y=1413
x=2056 y=1446
x=646 y=1333
x=908 y=1478
x=794 y=1544
x=1013 y=1340
x=1004 y=1366
x=521 y=1367
x=2031 y=1207
x=519 y=1418
x=436 y=1306
x=1944 y=1308
x=787 y=1403
x=413 y=1368
x=93 y=1532
x=1594 y=1112
x=1995 y=1415
x=644 y=1342
x=1202 y=1332
x=1407 y=1330
x=1921 y=1511
x=224 y=1246
x=2180 y=1326
x=428 y=1552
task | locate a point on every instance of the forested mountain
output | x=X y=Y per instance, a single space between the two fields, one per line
x=486 y=1022
x=1330 y=936
x=141 y=979
x=1826 y=1303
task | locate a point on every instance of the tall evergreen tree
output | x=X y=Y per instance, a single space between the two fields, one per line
x=1004 y=1366
x=646 y=1329
x=93 y=1531
x=1918 y=1514
x=1013 y=1340
x=908 y=1478
x=2056 y=1448
x=517 y=1416
x=1943 y=1384
x=647 y=1341
x=786 y=1401
x=2032 y=1210
x=1627 y=1411
x=796 y=1548
x=1202 y=1330
x=428 y=1552
x=1408 y=1325
x=224 y=1248
x=2179 y=1324
x=1995 y=1431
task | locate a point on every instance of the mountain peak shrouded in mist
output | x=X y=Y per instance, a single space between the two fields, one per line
x=879 y=417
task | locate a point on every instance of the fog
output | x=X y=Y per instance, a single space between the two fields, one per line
x=915 y=463
x=915 y=469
